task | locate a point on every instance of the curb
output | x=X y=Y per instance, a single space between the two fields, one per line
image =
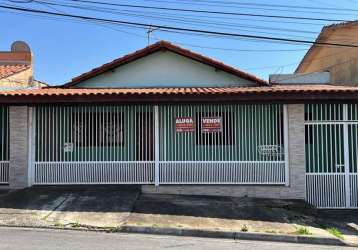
x=234 y=235
x=201 y=233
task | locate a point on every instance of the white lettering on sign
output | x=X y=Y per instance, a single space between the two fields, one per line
x=184 y=124
x=270 y=150
x=211 y=124
x=68 y=147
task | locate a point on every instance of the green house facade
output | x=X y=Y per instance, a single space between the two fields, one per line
x=174 y=121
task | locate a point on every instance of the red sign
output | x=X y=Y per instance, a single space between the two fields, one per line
x=211 y=124
x=184 y=124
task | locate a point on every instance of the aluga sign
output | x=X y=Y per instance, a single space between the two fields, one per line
x=184 y=124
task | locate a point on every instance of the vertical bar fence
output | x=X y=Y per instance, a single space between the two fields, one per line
x=222 y=144
x=331 y=155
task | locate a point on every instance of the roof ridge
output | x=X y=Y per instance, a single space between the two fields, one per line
x=162 y=44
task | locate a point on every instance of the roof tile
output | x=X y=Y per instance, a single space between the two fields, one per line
x=56 y=91
x=9 y=70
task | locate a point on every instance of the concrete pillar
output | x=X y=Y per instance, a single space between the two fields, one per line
x=19 y=151
x=296 y=144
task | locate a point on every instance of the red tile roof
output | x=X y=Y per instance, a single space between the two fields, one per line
x=10 y=70
x=274 y=93
x=163 y=45
x=58 y=91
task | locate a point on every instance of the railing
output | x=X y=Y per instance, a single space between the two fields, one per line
x=222 y=173
x=94 y=173
x=353 y=179
x=326 y=190
x=4 y=172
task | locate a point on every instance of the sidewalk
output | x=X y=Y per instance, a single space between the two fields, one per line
x=123 y=208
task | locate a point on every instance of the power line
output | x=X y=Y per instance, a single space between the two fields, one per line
x=163 y=27
x=271 y=5
x=210 y=12
x=203 y=23
x=107 y=25
x=253 y=6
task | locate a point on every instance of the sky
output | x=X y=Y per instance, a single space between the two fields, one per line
x=64 y=48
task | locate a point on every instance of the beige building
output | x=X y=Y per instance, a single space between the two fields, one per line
x=341 y=62
x=16 y=67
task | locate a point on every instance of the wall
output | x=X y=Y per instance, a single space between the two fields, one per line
x=296 y=188
x=18 y=173
x=164 y=69
x=22 y=79
x=342 y=63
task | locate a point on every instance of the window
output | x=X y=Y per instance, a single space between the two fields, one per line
x=98 y=129
x=215 y=128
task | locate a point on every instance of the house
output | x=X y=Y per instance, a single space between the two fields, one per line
x=174 y=121
x=16 y=67
x=340 y=62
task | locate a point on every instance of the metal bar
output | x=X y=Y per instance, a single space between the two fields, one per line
x=156 y=143
x=286 y=144
x=346 y=156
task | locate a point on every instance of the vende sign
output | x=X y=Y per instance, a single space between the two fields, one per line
x=184 y=124
x=211 y=124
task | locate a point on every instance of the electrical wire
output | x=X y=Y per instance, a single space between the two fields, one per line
x=190 y=30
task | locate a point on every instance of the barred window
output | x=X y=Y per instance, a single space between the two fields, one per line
x=98 y=129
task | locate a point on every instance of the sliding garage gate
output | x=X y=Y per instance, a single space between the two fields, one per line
x=172 y=144
x=332 y=155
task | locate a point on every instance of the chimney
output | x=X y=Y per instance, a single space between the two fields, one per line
x=20 y=54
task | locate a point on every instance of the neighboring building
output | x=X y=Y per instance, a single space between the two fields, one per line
x=341 y=62
x=16 y=68
x=175 y=121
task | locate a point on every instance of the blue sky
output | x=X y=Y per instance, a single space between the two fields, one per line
x=65 y=48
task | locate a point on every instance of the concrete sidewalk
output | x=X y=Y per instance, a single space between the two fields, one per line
x=123 y=208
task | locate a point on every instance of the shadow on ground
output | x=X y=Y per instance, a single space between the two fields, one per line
x=128 y=199
x=114 y=206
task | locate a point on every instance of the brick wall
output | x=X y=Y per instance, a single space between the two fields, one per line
x=18 y=173
x=296 y=188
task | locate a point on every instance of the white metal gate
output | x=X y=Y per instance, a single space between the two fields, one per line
x=139 y=144
x=332 y=155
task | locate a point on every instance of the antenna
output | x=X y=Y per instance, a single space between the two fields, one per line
x=150 y=30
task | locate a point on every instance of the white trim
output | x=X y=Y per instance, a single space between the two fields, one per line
x=88 y=162
x=221 y=162
x=346 y=156
x=330 y=123
x=156 y=145
x=31 y=147
x=286 y=145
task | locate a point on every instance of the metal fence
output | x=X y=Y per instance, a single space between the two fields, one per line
x=93 y=144
x=244 y=145
x=331 y=155
x=172 y=144
x=4 y=145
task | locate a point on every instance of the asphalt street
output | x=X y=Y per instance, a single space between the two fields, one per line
x=23 y=238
